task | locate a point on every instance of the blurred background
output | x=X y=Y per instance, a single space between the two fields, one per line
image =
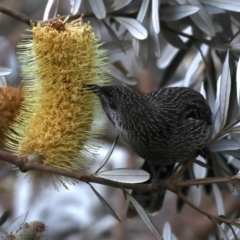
x=174 y=43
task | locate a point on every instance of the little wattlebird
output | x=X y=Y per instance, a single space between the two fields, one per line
x=163 y=127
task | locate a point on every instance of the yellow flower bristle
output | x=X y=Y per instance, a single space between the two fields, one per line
x=57 y=115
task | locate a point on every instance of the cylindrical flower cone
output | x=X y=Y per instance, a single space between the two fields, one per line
x=57 y=114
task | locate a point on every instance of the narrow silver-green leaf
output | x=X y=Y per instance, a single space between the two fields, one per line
x=155 y=39
x=75 y=5
x=140 y=48
x=119 y=4
x=120 y=76
x=124 y=175
x=113 y=35
x=105 y=204
x=173 y=39
x=167 y=232
x=213 y=10
x=134 y=27
x=98 y=8
x=202 y=19
x=4 y=71
x=155 y=15
x=108 y=155
x=238 y=83
x=200 y=167
x=174 y=13
x=51 y=9
x=195 y=194
x=143 y=10
x=222 y=234
x=230 y=5
x=144 y=216
x=235 y=128
x=225 y=89
x=218 y=199
x=224 y=145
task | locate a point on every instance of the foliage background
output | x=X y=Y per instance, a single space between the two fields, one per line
x=187 y=47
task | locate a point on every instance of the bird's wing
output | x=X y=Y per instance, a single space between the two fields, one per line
x=182 y=103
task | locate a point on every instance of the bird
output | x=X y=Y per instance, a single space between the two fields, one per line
x=164 y=127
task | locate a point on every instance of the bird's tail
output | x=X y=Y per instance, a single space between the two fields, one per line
x=151 y=201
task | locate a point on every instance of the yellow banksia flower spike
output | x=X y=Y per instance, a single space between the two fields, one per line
x=57 y=114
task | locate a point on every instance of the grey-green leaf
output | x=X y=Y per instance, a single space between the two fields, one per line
x=225 y=89
x=119 y=4
x=4 y=71
x=238 y=82
x=51 y=9
x=134 y=27
x=98 y=8
x=144 y=216
x=108 y=155
x=155 y=15
x=173 y=39
x=167 y=232
x=113 y=35
x=220 y=230
x=174 y=13
x=218 y=199
x=230 y=5
x=105 y=204
x=75 y=5
x=202 y=19
x=224 y=145
x=142 y=11
x=140 y=48
x=124 y=175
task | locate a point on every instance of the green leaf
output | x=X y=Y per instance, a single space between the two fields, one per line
x=222 y=234
x=124 y=175
x=4 y=71
x=134 y=27
x=174 y=13
x=225 y=89
x=105 y=203
x=155 y=16
x=113 y=35
x=108 y=155
x=202 y=19
x=144 y=216
x=230 y=5
x=98 y=8
x=224 y=145
x=218 y=199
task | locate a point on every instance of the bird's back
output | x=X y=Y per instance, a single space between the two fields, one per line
x=178 y=128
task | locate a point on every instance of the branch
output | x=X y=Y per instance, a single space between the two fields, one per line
x=210 y=216
x=25 y=165
x=16 y=15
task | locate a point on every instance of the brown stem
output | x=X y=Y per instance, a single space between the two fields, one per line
x=210 y=216
x=25 y=165
x=18 y=16
x=204 y=181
